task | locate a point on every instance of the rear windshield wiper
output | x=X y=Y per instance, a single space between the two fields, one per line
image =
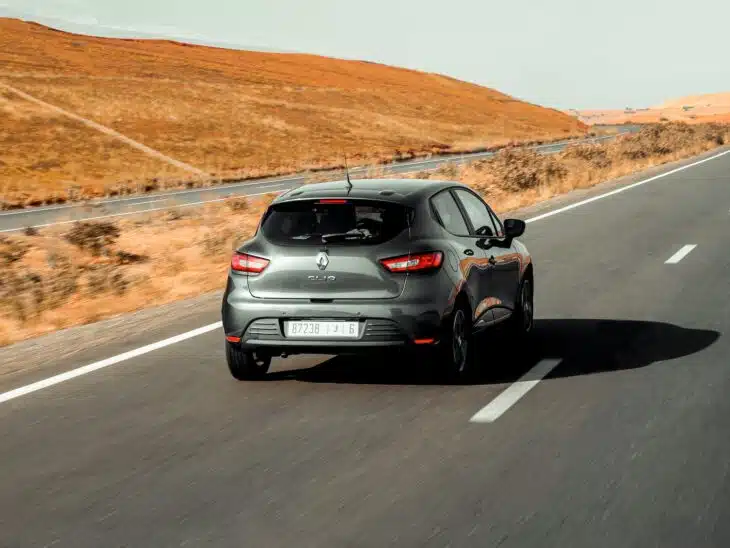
x=354 y=234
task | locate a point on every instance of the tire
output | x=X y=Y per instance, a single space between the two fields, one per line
x=245 y=365
x=523 y=319
x=455 y=356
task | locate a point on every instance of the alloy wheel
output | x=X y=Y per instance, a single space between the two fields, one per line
x=527 y=306
x=459 y=342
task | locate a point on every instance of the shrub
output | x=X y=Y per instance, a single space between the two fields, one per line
x=594 y=154
x=125 y=258
x=95 y=237
x=11 y=251
x=523 y=169
x=106 y=278
x=238 y=204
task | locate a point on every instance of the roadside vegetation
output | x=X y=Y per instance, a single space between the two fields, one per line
x=82 y=272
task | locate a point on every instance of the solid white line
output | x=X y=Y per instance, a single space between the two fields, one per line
x=624 y=188
x=140 y=212
x=106 y=130
x=681 y=254
x=68 y=375
x=149 y=201
x=499 y=405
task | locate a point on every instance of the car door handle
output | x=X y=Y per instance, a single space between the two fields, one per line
x=492 y=260
x=469 y=252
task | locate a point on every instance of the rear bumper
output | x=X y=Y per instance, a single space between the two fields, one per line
x=383 y=324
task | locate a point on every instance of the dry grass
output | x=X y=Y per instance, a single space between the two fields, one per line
x=57 y=278
x=234 y=114
x=515 y=178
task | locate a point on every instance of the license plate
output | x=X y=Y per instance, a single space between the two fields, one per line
x=322 y=329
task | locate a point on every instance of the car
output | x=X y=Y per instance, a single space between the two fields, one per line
x=376 y=265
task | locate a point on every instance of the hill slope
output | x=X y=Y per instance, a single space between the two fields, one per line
x=228 y=112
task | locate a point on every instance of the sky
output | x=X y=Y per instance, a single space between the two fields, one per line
x=558 y=53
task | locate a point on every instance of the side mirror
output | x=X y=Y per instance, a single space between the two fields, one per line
x=514 y=228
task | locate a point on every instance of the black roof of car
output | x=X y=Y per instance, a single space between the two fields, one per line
x=406 y=191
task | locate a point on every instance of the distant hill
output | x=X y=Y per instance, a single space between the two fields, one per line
x=229 y=112
x=712 y=107
x=709 y=100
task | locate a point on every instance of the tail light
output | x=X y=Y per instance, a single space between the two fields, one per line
x=414 y=263
x=243 y=262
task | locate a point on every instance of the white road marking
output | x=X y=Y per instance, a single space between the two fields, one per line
x=68 y=375
x=488 y=414
x=499 y=405
x=681 y=254
x=106 y=130
x=139 y=212
x=624 y=188
x=149 y=201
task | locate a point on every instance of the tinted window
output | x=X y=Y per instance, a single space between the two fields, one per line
x=305 y=222
x=449 y=213
x=478 y=213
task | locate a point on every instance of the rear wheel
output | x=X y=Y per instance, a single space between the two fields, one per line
x=523 y=318
x=246 y=365
x=455 y=349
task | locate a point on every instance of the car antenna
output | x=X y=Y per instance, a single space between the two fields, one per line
x=347 y=175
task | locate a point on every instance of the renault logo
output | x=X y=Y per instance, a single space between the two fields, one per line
x=322 y=260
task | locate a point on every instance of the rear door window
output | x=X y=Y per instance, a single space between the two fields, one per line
x=449 y=213
x=359 y=222
x=476 y=210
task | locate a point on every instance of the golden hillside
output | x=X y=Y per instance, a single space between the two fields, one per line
x=230 y=113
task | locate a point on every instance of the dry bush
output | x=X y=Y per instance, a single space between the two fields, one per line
x=596 y=155
x=95 y=237
x=175 y=214
x=25 y=293
x=238 y=204
x=103 y=278
x=448 y=170
x=659 y=140
x=11 y=250
x=520 y=169
x=19 y=294
x=62 y=281
x=127 y=258
x=219 y=242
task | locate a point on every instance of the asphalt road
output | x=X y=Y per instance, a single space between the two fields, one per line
x=11 y=221
x=624 y=444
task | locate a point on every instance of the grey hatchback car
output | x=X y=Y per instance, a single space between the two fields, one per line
x=375 y=265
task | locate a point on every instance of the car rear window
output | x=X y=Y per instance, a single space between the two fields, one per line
x=366 y=222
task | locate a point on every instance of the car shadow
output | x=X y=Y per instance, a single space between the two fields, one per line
x=583 y=347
